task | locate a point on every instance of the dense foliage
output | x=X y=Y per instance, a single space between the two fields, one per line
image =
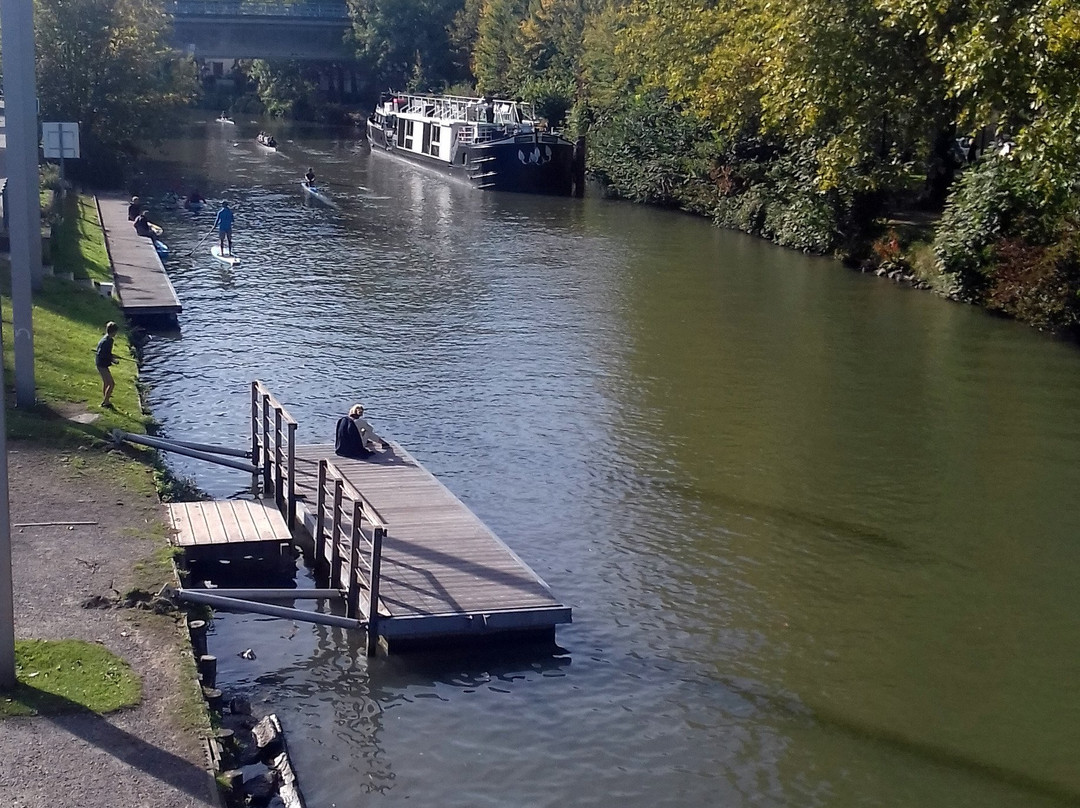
x=107 y=65
x=800 y=120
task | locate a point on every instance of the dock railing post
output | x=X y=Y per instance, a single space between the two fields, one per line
x=292 y=476
x=279 y=483
x=320 y=520
x=266 y=441
x=373 y=591
x=255 y=431
x=352 y=602
x=335 y=537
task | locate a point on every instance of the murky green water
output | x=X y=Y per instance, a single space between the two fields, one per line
x=819 y=532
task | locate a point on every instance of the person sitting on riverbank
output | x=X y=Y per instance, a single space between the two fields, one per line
x=134 y=209
x=143 y=225
x=354 y=436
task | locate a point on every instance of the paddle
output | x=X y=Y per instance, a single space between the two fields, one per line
x=204 y=238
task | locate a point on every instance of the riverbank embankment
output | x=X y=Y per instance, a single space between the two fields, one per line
x=88 y=527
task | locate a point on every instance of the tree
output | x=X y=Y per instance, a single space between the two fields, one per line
x=106 y=64
x=406 y=43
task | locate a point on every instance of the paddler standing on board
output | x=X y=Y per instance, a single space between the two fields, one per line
x=223 y=223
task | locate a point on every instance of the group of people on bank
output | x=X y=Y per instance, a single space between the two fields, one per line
x=139 y=217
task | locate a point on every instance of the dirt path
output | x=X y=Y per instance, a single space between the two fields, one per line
x=143 y=757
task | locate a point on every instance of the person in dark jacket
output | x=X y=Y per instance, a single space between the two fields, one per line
x=354 y=436
x=104 y=360
x=134 y=209
x=143 y=225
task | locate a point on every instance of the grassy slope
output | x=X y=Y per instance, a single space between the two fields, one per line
x=68 y=321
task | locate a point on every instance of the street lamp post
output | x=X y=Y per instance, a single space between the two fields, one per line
x=24 y=229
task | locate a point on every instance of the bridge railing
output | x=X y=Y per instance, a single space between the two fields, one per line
x=231 y=8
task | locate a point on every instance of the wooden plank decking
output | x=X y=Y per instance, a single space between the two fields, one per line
x=444 y=573
x=142 y=286
x=218 y=522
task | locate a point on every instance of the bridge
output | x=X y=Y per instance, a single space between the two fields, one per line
x=227 y=29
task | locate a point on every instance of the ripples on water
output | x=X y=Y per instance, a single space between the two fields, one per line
x=818 y=531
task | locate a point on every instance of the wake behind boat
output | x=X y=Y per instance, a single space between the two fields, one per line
x=225 y=258
x=494 y=144
x=318 y=194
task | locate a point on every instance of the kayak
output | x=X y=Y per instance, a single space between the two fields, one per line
x=162 y=249
x=227 y=258
x=225 y=120
x=317 y=193
x=156 y=229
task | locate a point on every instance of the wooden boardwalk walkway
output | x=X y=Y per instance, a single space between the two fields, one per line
x=443 y=572
x=143 y=288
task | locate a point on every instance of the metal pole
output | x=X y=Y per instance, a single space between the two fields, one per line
x=168 y=446
x=24 y=199
x=7 y=589
x=237 y=605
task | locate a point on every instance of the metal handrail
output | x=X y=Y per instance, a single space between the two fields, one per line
x=274 y=449
x=231 y=8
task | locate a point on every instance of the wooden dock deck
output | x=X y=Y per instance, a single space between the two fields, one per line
x=443 y=572
x=226 y=522
x=142 y=287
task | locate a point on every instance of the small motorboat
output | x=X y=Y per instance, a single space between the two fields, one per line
x=266 y=141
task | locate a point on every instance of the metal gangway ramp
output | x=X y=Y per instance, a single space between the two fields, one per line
x=416 y=565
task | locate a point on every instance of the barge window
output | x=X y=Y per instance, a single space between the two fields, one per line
x=436 y=137
x=405 y=134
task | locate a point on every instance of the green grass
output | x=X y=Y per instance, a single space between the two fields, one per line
x=64 y=676
x=78 y=244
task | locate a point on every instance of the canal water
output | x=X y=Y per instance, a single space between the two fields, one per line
x=819 y=532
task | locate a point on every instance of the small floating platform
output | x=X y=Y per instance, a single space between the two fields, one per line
x=242 y=525
x=143 y=288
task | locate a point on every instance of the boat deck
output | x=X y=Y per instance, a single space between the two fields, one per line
x=142 y=287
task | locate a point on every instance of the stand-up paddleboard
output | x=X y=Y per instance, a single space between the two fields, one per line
x=317 y=193
x=226 y=258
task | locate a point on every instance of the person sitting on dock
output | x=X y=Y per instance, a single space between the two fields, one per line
x=223 y=223
x=354 y=436
x=134 y=209
x=309 y=178
x=143 y=225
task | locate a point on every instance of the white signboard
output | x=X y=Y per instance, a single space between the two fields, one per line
x=60 y=139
